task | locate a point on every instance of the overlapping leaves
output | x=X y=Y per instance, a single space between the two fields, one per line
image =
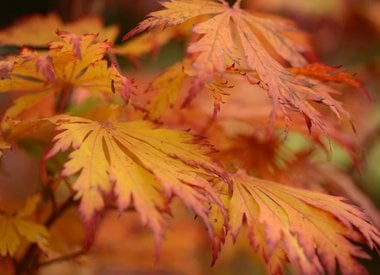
x=258 y=46
x=144 y=167
x=36 y=30
x=72 y=62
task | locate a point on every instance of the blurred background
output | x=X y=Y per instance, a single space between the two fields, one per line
x=344 y=33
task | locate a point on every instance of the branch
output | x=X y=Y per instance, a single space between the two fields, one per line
x=27 y=261
x=61 y=259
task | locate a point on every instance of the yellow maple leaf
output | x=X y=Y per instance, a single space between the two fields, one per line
x=257 y=45
x=72 y=62
x=142 y=165
x=16 y=227
x=313 y=229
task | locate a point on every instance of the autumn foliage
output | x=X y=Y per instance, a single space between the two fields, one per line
x=209 y=131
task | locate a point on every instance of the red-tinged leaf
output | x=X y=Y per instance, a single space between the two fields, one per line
x=218 y=41
x=314 y=229
x=45 y=65
x=330 y=74
x=251 y=43
x=21 y=73
x=220 y=226
x=71 y=62
x=75 y=47
x=142 y=165
x=76 y=42
x=180 y=12
x=341 y=183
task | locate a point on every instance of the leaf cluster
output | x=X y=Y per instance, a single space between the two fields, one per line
x=208 y=130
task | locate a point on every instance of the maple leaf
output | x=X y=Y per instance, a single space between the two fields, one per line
x=339 y=182
x=37 y=30
x=180 y=11
x=17 y=226
x=140 y=164
x=313 y=229
x=73 y=62
x=260 y=46
x=219 y=224
x=330 y=74
x=242 y=126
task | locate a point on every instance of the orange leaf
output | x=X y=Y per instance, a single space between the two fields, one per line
x=73 y=61
x=328 y=73
x=314 y=229
x=142 y=165
x=260 y=46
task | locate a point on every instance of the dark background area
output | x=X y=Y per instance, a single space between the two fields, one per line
x=113 y=11
x=11 y=10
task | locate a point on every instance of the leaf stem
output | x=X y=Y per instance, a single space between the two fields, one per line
x=63 y=99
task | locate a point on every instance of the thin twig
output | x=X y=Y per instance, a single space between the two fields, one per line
x=57 y=214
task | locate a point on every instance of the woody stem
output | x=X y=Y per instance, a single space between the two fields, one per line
x=28 y=261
